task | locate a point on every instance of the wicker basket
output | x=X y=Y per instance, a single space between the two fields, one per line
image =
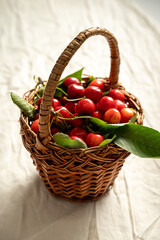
x=76 y=174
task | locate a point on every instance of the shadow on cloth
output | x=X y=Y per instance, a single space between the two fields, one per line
x=34 y=214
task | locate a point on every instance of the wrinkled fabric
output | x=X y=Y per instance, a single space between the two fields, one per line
x=32 y=36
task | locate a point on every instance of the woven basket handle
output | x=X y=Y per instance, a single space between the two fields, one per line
x=44 y=130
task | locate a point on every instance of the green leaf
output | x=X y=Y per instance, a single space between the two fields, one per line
x=41 y=90
x=24 y=106
x=139 y=140
x=65 y=141
x=104 y=127
x=107 y=141
x=97 y=122
x=106 y=93
x=133 y=119
x=60 y=92
x=77 y=74
x=90 y=80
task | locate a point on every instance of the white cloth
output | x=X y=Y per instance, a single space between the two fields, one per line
x=32 y=36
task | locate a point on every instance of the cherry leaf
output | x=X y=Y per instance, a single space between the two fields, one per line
x=139 y=140
x=65 y=141
x=107 y=141
x=28 y=109
x=77 y=74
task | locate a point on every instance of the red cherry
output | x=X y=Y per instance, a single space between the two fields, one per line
x=75 y=91
x=75 y=110
x=97 y=114
x=117 y=94
x=63 y=111
x=112 y=116
x=120 y=105
x=78 y=122
x=62 y=100
x=78 y=132
x=126 y=114
x=71 y=80
x=75 y=137
x=85 y=106
x=37 y=116
x=54 y=130
x=35 y=106
x=97 y=106
x=70 y=106
x=39 y=102
x=35 y=126
x=93 y=139
x=106 y=103
x=55 y=102
x=97 y=83
x=93 y=93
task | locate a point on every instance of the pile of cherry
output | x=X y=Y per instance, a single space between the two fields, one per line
x=89 y=101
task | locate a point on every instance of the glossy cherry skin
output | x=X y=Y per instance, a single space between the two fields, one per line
x=39 y=102
x=97 y=106
x=112 y=116
x=120 y=105
x=70 y=106
x=97 y=83
x=126 y=114
x=35 y=106
x=93 y=93
x=85 y=107
x=55 y=102
x=117 y=94
x=35 y=126
x=63 y=111
x=97 y=114
x=78 y=122
x=54 y=130
x=106 y=103
x=71 y=80
x=37 y=116
x=78 y=132
x=62 y=100
x=75 y=91
x=75 y=137
x=93 y=139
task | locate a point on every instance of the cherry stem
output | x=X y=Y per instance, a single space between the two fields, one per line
x=73 y=100
x=54 y=114
x=76 y=117
x=90 y=130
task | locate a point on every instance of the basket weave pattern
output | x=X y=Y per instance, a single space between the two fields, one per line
x=76 y=174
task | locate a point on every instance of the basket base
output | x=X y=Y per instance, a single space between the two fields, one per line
x=76 y=188
x=84 y=199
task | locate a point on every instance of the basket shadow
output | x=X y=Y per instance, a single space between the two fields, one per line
x=35 y=213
